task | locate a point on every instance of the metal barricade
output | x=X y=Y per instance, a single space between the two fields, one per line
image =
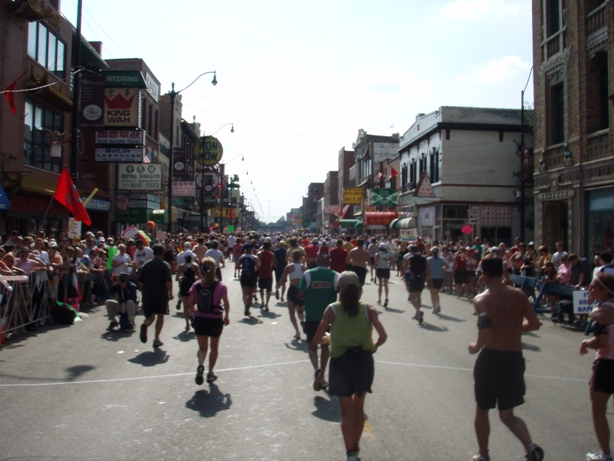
x=24 y=300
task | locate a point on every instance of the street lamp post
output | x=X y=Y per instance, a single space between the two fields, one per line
x=173 y=94
x=222 y=173
x=524 y=166
x=202 y=179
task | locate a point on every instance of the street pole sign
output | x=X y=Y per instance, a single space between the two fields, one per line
x=208 y=151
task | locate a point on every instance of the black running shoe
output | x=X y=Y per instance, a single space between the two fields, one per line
x=199 y=375
x=143 y=333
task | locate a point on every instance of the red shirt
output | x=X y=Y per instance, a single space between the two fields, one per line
x=266 y=264
x=338 y=255
x=311 y=251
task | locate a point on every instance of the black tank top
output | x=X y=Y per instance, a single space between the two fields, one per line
x=189 y=277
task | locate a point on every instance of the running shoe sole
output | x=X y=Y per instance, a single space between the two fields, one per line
x=211 y=377
x=143 y=333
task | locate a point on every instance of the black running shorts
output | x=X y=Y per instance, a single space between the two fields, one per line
x=350 y=374
x=208 y=327
x=499 y=379
x=602 y=378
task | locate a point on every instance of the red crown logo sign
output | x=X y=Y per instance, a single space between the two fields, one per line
x=119 y=102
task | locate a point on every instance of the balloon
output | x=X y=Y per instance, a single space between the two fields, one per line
x=151 y=224
x=467 y=230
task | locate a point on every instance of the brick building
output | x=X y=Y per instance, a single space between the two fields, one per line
x=36 y=53
x=574 y=166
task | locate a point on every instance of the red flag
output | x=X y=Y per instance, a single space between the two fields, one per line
x=66 y=193
x=9 y=93
x=393 y=172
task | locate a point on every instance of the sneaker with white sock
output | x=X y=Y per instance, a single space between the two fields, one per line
x=599 y=456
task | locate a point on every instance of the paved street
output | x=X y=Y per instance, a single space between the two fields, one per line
x=78 y=392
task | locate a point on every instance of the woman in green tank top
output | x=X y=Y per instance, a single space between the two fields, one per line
x=351 y=368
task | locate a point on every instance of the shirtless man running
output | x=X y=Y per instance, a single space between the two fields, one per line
x=358 y=260
x=504 y=313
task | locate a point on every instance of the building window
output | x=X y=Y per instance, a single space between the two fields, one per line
x=40 y=122
x=46 y=48
x=596 y=101
x=434 y=166
x=422 y=162
x=553 y=17
x=413 y=173
x=557 y=113
x=404 y=176
x=156 y=125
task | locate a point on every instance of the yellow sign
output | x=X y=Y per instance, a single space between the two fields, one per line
x=226 y=213
x=208 y=151
x=353 y=195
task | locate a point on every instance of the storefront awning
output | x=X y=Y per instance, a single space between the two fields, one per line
x=393 y=224
x=36 y=185
x=406 y=223
x=349 y=222
x=380 y=218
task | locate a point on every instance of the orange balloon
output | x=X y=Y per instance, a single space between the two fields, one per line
x=151 y=224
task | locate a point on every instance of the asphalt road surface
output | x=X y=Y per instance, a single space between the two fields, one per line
x=81 y=393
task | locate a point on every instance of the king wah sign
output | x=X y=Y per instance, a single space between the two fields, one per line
x=139 y=176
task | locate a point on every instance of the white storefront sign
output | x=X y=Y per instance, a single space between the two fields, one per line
x=140 y=176
x=119 y=155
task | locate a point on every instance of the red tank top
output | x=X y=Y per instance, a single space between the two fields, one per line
x=266 y=265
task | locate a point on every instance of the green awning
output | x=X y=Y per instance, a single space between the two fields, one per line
x=358 y=224
x=351 y=222
x=393 y=224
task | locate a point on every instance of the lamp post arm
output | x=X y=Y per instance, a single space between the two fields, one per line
x=214 y=81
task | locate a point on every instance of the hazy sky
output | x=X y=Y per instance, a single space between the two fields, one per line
x=299 y=79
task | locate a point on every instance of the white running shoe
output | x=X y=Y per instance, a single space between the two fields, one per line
x=599 y=456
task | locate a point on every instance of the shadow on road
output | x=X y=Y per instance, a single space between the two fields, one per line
x=393 y=310
x=251 y=320
x=530 y=347
x=297 y=345
x=326 y=409
x=269 y=315
x=116 y=335
x=431 y=327
x=208 y=403
x=185 y=336
x=78 y=370
x=450 y=318
x=150 y=358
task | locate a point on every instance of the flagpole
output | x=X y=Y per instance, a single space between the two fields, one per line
x=71 y=221
x=46 y=213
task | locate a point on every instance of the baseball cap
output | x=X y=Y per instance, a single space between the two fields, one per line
x=348 y=278
x=382 y=246
x=52 y=244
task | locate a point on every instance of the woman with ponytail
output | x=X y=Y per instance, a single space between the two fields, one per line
x=205 y=301
x=351 y=372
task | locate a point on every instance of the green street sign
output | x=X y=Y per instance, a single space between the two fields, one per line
x=383 y=197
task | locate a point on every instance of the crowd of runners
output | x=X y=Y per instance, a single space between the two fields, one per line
x=321 y=278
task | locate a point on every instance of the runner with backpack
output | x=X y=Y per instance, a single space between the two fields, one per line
x=209 y=317
x=249 y=265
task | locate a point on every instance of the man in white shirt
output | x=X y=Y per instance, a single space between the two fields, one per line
x=218 y=257
x=187 y=250
x=142 y=254
x=558 y=254
x=121 y=261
